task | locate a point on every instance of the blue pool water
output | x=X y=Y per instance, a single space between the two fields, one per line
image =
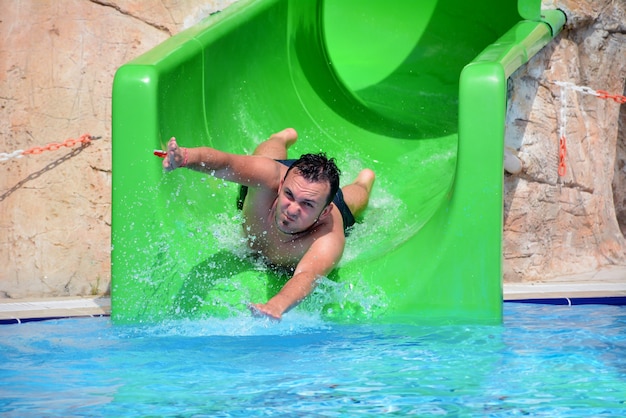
x=554 y=361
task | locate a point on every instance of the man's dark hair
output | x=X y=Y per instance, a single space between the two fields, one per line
x=318 y=168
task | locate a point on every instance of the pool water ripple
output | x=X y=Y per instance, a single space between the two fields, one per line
x=543 y=361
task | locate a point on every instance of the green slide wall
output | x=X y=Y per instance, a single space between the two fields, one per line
x=415 y=90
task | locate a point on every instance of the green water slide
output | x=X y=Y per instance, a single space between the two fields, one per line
x=414 y=89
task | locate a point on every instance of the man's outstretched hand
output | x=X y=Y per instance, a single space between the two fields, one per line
x=175 y=156
x=263 y=310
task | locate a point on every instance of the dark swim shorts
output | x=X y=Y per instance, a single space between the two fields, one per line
x=346 y=215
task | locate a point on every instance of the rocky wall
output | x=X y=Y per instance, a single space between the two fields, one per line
x=563 y=225
x=57 y=61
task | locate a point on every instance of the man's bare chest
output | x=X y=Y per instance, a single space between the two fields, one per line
x=264 y=238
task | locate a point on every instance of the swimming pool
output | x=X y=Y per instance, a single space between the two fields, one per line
x=544 y=361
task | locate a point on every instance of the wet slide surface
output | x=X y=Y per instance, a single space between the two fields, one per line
x=371 y=83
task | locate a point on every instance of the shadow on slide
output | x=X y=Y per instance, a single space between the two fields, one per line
x=415 y=90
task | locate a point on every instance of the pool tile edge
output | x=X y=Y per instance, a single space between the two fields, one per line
x=19 y=310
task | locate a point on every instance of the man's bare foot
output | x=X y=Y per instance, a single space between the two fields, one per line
x=289 y=136
x=357 y=193
x=277 y=144
x=366 y=179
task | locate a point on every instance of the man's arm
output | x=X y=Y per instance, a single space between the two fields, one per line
x=243 y=169
x=318 y=262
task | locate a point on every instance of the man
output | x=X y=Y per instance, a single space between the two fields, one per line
x=295 y=215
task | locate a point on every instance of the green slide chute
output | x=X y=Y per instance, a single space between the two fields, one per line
x=415 y=90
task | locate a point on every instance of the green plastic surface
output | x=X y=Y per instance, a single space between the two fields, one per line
x=415 y=90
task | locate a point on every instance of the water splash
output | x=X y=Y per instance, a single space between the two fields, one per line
x=350 y=300
x=243 y=324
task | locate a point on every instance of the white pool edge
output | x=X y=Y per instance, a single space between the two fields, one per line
x=17 y=310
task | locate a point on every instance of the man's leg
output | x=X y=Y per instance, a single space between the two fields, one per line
x=276 y=146
x=357 y=194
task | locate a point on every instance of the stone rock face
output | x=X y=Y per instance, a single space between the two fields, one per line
x=57 y=61
x=560 y=225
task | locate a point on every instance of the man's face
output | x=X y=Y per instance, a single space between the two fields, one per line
x=300 y=203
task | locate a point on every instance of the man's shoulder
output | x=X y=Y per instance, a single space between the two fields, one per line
x=261 y=193
x=331 y=229
x=258 y=204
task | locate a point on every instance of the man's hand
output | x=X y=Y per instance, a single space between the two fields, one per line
x=264 y=310
x=176 y=156
x=293 y=292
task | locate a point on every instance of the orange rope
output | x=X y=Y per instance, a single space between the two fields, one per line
x=53 y=146
x=615 y=97
x=562 y=153
x=601 y=94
